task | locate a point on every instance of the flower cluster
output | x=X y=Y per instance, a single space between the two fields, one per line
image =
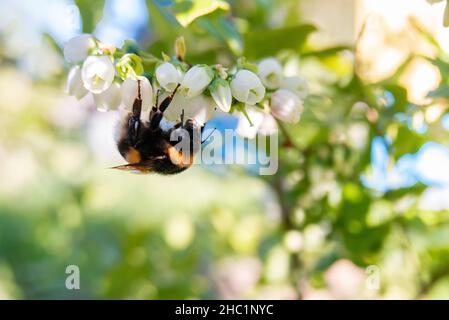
x=257 y=93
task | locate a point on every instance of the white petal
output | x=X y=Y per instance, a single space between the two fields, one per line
x=195 y=81
x=268 y=125
x=130 y=92
x=286 y=106
x=77 y=48
x=246 y=87
x=223 y=97
x=168 y=76
x=270 y=71
x=97 y=73
x=75 y=85
x=244 y=127
x=296 y=84
x=200 y=108
x=109 y=99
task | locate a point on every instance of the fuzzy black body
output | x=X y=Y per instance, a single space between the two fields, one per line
x=148 y=148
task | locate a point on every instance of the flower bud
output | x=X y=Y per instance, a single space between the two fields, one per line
x=130 y=92
x=246 y=87
x=77 y=48
x=129 y=66
x=180 y=48
x=196 y=80
x=75 y=85
x=296 y=84
x=200 y=108
x=270 y=71
x=109 y=99
x=98 y=73
x=168 y=76
x=286 y=106
x=221 y=93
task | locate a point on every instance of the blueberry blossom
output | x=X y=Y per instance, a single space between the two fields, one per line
x=200 y=108
x=246 y=87
x=248 y=129
x=286 y=106
x=296 y=84
x=168 y=76
x=109 y=99
x=196 y=80
x=130 y=90
x=97 y=73
x=77 y=49
x=75 y=86
x=221 y=93
x=270 y=72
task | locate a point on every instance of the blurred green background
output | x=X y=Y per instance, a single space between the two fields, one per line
x=358 y=208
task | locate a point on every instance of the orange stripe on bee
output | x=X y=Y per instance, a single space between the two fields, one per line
x=133 y=156
x=178 y=157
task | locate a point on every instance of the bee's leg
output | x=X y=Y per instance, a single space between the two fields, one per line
x=134 y=123
x=156 y=116
x=194 y=130
x=181 y=123
x=154 y=108
x=164 y=104
x=210 y=134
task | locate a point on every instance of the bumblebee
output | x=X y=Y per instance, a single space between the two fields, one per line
x=149 y=148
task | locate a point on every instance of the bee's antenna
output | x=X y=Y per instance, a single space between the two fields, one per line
x=209 y=136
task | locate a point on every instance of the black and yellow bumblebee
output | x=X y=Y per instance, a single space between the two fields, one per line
x=147 y=147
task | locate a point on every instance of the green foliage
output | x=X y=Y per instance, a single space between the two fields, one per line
x=188 y=236
x=262 y=43
x=91 y=13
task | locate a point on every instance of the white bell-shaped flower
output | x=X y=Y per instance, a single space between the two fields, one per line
x=268 y=125
x=109 y=99
x=222 y=95
x=130 y=92
x=246 y=87
x=168 y=76
x=296 y=84
x=98 y=73
x=200 y=108
x=77 y=48
x=270 y=72
x=75 y=86
x=286 y=106
x=248 y=129
x=196 y=80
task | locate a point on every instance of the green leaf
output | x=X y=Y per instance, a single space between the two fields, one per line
x=263 y=43
x=129 y=66
x=440 y=92
x=397 y=194
x=407 y=141
x=442 y=65
x=400 y=96
x=223 y=30
x=187 y=11
x=91 y=12
x=325 y=53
